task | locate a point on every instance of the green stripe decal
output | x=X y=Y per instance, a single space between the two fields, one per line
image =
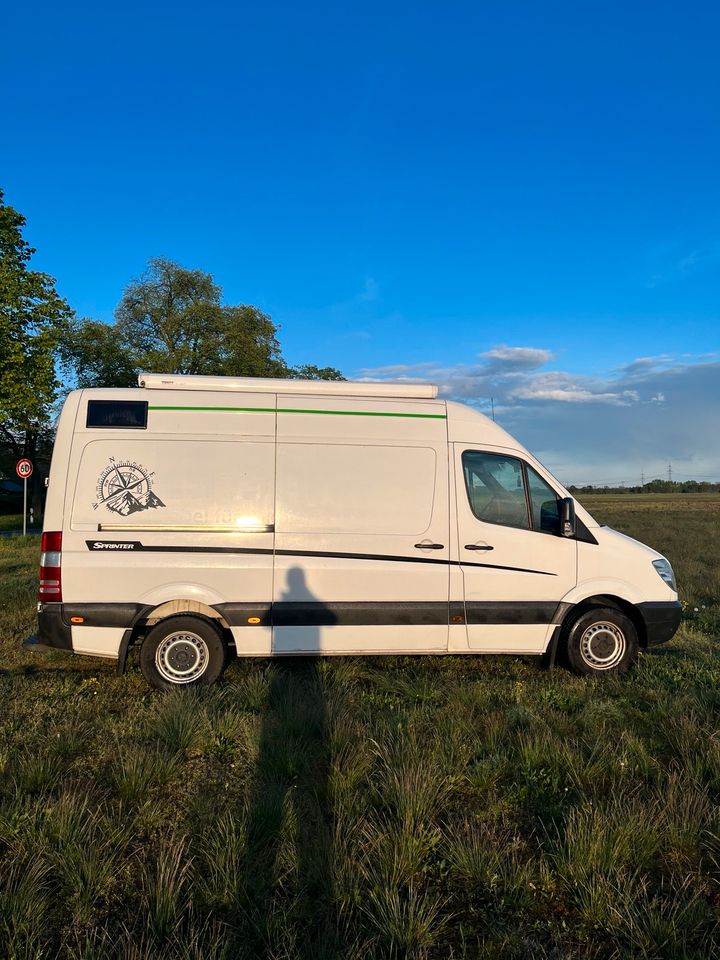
x=366 y=413
x=229 y=409
x=337 y=413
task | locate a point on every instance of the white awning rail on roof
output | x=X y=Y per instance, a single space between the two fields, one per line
x=334 y=388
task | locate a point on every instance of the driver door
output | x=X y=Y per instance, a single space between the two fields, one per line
x=516 y=567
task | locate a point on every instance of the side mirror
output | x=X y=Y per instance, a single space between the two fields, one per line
x=567 y=517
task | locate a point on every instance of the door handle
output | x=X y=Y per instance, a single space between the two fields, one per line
x=429 y=546
x=478 y=546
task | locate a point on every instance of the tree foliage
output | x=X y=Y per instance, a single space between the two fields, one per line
x=172 y=320
x=309 y=371
x=33 y=319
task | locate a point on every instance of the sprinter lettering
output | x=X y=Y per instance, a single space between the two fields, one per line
x=114 y=544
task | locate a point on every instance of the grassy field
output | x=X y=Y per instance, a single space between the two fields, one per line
x=443 y=807
x=14 y=521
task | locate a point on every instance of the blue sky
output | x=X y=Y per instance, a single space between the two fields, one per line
x=517 y=199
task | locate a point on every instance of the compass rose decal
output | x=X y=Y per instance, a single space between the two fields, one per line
x=125 y=487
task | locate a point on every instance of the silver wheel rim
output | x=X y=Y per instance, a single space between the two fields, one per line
x=182 y=657
x=603 y=645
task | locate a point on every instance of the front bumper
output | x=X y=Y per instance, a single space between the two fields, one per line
x=661 y=619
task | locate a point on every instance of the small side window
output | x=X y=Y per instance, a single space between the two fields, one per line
x=544 y=504
x=117 y=414
x=496 y=489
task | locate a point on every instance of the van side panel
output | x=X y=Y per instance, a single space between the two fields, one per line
x=362 y=527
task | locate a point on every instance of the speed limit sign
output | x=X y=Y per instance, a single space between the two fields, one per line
x=24 y=469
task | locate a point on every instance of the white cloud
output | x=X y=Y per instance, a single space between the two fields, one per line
x=644 y=364
x=565 y=395
x=416 y=371
x=521 y=357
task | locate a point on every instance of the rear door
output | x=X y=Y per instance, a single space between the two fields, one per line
x=516 y=567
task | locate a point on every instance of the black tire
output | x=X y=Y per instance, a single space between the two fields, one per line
x=183 y=651
x=600 y=641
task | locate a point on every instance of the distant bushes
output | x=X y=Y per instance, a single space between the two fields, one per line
x=653 y=486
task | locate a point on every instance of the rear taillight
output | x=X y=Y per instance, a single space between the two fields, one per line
x=50 y=578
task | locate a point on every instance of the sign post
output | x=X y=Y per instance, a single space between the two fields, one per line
x=24 y=469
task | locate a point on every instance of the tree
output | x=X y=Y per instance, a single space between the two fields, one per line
x=308 y=371
x=96 y=357
x=172 y=320
x=33 y=318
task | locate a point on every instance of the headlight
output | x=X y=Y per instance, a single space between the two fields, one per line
x=665 y=571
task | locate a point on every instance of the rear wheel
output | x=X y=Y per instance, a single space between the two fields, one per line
x=183 y=651
x=602 y=640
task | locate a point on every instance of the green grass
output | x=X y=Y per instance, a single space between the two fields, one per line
x=369 y=807
x=13 y=521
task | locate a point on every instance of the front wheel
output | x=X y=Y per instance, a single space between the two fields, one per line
x=602 y=640
x=183 y=651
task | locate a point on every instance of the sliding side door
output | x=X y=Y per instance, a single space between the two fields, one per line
x=362 y=531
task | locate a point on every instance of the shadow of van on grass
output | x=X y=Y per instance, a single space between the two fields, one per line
x=287 y=859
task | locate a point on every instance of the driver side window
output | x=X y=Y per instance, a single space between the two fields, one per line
x=496 y=488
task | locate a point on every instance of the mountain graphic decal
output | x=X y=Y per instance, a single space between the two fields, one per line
x=125 y=487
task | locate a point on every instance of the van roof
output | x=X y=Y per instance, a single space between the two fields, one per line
x=336 y=388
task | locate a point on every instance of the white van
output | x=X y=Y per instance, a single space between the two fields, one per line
x=209 y=517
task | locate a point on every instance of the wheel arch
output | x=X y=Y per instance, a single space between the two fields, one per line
x=152 y=615
x=613 y=601
x=172 y=608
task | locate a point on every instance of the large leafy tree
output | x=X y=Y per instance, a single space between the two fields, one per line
x=172 y=320
x=33 y=319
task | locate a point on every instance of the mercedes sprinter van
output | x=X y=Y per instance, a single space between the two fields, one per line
x=202 y=518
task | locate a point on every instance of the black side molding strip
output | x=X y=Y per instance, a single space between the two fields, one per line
x=105 y=614
x=524 y=611
x=660 y=619
x=55 y=618
x=245 y=614
x=387 y=613
x=303 y=613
